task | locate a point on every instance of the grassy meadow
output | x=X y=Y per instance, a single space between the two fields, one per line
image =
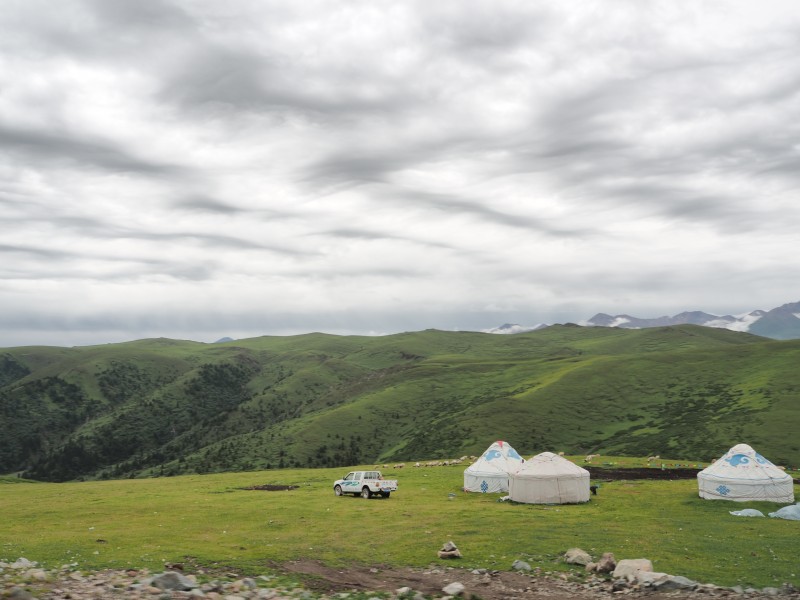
x=210 y=520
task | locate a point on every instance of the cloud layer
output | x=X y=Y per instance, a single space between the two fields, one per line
x=200 y=169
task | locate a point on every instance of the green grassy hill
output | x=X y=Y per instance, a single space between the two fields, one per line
x=168 y=407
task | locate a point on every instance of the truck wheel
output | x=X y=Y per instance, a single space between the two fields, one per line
x=385 y=494
x=337 y=490
x=365 y=493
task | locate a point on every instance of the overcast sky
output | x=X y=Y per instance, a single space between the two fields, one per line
x=199 y=169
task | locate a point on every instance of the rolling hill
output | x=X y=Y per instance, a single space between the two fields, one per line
x=163 y=407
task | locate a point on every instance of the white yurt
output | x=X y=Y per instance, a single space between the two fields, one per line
x=548 y=478
x=743 y=475
x=490 y=472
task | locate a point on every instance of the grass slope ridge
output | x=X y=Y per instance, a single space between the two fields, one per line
x=164 y=407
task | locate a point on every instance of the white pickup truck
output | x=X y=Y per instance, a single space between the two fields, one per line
x=365 y=484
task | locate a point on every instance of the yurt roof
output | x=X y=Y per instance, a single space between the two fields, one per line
x=744 y=463
x=550 y=466
x=499 y=459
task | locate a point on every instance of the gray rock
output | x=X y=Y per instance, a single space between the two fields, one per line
x=36 y=575
x=172 y=580
x=249 y=583
x=22 y=563
x=607 y=563
x=771 y=591
x=620 y=584
x=454 y=589
x=674 y=582
x=520 y=565
x=449 y=550
x=648 y=578
x=17 y=593
x=449 y=547
x=628 y=567
x=576 y=556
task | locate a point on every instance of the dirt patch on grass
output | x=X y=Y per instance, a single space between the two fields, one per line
x=604 y=474
x=491 y=585
x=494 y=585
x=271 y=488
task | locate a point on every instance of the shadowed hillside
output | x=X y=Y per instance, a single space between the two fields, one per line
x=167 y=407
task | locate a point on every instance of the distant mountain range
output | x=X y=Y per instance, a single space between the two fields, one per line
x=782 y=323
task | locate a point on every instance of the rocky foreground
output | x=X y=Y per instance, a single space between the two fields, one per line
x=25 y=580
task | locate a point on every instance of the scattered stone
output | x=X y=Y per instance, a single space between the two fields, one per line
x=627 y=567
x=674 y=582
x=22 y=563
x=247 y=583
x=607 y=563
x=36 y=575
x=454 y=589
x=449 y=550
x=63 y=583
x=620 y=584
x=576 y=556
x=172 y=580
x=520 y=565
x=648 y=578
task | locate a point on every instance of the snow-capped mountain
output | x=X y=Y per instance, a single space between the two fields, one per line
x=513 y=328
x=782 y=323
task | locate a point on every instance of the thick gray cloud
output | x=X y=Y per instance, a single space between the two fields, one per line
x=200 y=169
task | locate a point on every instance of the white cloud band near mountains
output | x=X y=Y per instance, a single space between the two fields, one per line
x=781 y=323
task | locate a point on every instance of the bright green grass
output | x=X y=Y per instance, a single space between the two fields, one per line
x=147 y=522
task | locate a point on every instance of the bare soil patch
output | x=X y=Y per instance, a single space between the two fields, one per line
x=495 y=585
x=271 y=488
x=604 y=474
